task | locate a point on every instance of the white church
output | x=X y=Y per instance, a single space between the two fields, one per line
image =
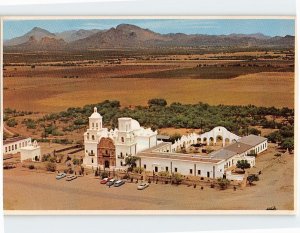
x=108 y=149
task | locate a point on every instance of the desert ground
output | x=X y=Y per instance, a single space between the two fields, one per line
x=26 y=189
x=41 y=94
x=46 y=82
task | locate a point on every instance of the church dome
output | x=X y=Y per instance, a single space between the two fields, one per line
x=135 y=124
x=95 y=114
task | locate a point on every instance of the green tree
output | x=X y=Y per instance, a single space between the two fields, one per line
x=288 y=143
x=157 y=102
x=131 y=162
x=243 y=164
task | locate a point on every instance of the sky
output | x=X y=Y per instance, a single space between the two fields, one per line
x=270 y=27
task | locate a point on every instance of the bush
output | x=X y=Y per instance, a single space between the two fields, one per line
x=31 y=166
x=164 y=173
x=51 y=167
x=76 y=161
x=138 y=169
x=177 y=178
x=277 y=155
x=30 y=124
x=11 y=122
x=223 y=183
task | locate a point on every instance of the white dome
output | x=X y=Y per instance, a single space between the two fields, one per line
x=135 y=124
x=95 y=114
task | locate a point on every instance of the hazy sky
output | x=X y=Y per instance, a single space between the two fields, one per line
x=271 y=27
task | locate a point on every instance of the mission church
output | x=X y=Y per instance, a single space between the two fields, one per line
x=108 y=149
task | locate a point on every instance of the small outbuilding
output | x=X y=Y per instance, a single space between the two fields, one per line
x=31 y=152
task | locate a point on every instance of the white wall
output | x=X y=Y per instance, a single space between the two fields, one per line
x=183 y=167
x=14 y=147
x=30 y=153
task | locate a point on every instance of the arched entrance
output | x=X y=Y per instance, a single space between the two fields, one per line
x=106 y=153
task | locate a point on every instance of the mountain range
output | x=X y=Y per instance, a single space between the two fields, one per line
x=131 y=36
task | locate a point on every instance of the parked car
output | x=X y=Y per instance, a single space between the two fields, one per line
x=71 y=177
x=118 y=183
x=60 y=175
x=105 y=180
x=142 y=186
x=110 y=182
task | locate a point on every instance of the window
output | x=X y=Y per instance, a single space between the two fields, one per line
x=208 y=175
x=121 y=154
x=5 y=149
x=96 y=125
x=93 y=137
x=92 y=125
x=92 y=160
x=88 y=136
x=19 y=144
x=191 y=171
x=15 y=146
x=167 y=169
x=121 y=163
x=199 y=172
x=92 y=152
x=145 y=166
x=9 y=148
x=175 y=169
x=156 y=169
x=122 y=139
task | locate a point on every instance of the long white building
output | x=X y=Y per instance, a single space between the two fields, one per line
x=108 y=149
x=13 y=145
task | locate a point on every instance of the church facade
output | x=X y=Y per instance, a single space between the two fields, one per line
x=108 y=148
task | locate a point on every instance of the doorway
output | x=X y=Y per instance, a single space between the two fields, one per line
x=106 y=164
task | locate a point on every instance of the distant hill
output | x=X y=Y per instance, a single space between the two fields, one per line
x=74 y=35
x=131 y=36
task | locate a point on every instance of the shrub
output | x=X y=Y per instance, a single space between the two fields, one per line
x=51 y=167
x=76 y=161
x=164 y=173
x=277 y=154
x=223 y=183
x=177 y=178
x=11 y=122
x=31 y=166
x=138 y=169
x=46 y=157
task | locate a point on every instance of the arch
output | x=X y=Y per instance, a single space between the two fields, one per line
x=226 y=141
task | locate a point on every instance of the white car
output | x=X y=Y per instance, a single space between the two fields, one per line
x=71 y=177
x=60 y=175
x=143 y=186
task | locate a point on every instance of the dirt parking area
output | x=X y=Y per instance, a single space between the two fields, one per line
x=35 y=190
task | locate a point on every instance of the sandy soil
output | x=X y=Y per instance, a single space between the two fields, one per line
x=29 y=190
